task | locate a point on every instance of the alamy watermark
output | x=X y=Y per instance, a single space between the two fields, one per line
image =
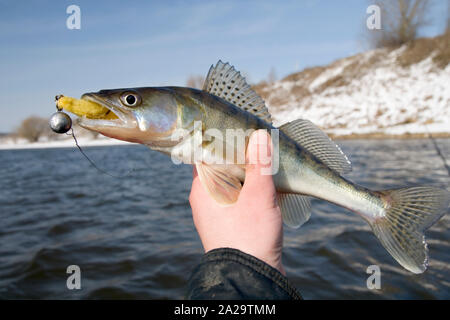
x=216 y=147
x=73 y=21
x=74 y=280
x=374 y=280
x=373 y=22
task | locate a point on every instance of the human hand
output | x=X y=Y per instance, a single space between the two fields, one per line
x=253 y=224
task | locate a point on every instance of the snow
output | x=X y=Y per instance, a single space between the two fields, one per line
x=8 y=143
x=328 y=74
x=384 y=98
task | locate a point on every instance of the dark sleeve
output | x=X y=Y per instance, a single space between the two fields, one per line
x=228 y=274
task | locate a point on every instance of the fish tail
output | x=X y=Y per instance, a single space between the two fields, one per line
x=408 y=213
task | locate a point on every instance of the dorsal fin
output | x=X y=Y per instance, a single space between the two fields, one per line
x=227 y=83
x=316 y=142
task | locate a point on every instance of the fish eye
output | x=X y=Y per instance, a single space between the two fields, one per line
x=130 y=99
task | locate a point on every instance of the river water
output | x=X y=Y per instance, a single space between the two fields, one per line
x=133 y=237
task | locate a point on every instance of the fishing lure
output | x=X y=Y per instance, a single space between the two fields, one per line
x=60 y=122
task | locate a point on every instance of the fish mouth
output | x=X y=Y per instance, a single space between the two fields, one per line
x=123 y=118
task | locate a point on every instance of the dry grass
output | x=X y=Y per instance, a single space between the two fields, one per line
x=261 y=89
x=337 y=81
x=357 y=66
x=416 y=51
x=307 y=75
x=442 y=57
x=299 y=90
x=422 y=48
x=195 y=81
x=408 y=120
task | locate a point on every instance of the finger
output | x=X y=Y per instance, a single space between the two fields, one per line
x=195 y=178
x=194 y=172
x=258 y=176
x=198 y=193
x=196 y=184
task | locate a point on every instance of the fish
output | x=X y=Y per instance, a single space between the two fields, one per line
x=310 y=164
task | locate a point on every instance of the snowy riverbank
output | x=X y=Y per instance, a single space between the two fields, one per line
x=9 y=144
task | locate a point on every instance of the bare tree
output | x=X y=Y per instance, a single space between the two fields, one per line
x=401 y=21
x=195 y=81
x=447 y=29
x=272 y=76
x=32 y=128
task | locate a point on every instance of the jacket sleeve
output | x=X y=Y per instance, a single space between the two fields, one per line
x=230 y=274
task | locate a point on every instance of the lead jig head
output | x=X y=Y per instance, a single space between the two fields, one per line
x=60 y=122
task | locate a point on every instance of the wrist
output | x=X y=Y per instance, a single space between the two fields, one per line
x=273 y=262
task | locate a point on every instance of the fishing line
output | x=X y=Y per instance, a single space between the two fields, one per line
x=92 y=162
x=438 y=151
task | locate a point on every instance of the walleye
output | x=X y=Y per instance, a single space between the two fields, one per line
x=310 y=164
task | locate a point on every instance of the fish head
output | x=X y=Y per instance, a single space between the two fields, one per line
x=142 y=115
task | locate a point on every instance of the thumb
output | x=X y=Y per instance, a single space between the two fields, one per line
x=258 y=174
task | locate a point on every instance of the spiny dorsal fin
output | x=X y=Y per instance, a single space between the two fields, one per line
x=227 y=83
x=295 y=208
x=316 y=142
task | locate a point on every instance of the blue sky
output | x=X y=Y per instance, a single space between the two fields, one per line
x=153 y=43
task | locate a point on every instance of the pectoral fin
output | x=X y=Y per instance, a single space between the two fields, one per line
x=222 y=186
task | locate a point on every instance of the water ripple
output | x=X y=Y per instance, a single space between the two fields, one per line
x=134 y=238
